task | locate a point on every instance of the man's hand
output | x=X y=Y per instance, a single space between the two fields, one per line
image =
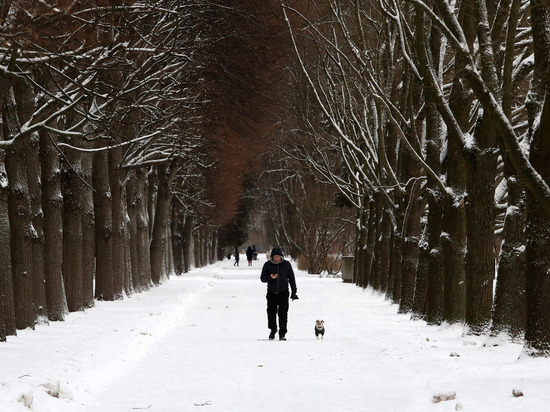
x=274 y=276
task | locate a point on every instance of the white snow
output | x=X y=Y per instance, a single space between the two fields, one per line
x=199 y=343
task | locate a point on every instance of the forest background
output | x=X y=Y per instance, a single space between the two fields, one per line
x=411 y=135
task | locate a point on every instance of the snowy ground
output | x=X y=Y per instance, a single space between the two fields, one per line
x=198 y=343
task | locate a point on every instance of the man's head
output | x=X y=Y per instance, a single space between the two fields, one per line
x=276 y=255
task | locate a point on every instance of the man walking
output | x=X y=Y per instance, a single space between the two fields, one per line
x=277 y=273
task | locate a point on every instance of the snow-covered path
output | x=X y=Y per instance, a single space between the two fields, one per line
x=198 y=342
x=219 y=357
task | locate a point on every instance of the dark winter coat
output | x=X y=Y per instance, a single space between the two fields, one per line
x=286 y=276
x=249 y=253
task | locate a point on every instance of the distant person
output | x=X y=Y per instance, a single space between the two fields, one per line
x=277 y=273
x=249 y=255
x=236 y=254
x=254 y=252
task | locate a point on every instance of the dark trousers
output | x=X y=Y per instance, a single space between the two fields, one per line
x=277 y=303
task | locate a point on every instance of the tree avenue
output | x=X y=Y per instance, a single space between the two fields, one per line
x=142 y=139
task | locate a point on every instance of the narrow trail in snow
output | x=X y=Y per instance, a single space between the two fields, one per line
x=220 y=355
x=199 y=343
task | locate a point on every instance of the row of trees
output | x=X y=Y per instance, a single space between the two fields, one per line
x=418 y=125
x=301 y=214
x=109 y=180
x=430 y=119
x=129 y=137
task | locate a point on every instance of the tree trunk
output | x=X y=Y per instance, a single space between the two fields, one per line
x=360 y=245
x=162 y=216
x=22 y=233
x=376 y=227
x=384 y=250
x=453 y=242
x=25 y=104
x=480 y=212
x=117 y=222
x=371 y=242
x=453 y=246
x=7 y=314
x=197 y=247
x=52 y=204
x=394 y=282
x=187 y=239
x=72 y=232
x=510 y=306
x=153 y=179
x=139 y=231
x=421 y=283
x=435 y=281
x=412 y=230
x=509 y=310
x=103 y=228
x=177 y=238
x=37 y=218
x=214 y=247
x=132 y=199
x=22 y=238
x=128 y=269
x=24 y=98
x=537 y=333
x=428 y=50
x=143 y=230
x=88 y=231
x=168 y=261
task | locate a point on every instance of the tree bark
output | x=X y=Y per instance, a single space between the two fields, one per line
x=421 y=283
x=22 y=238
x=177 y=238
x=361 y=245
x=22 y=233
x=187 y=241
x=453 y=246
x=139 y=231
x=52 y=204
x=7 y=314
x=88 y=230
x=510 y=304
x=143 y=230
x=428 y=49
x=394 y=281
x=368 y=261
x=376 y=227
x=412 y=230
x=132 y=199
x=35 y=193
x=509 y=309
x=384 y=249
x=453 y=242
x=24 y=98
x=72 y=231
x=435 y=279
x=480 y=226
x=117 y=221
x=537 y=333
x=162 y=217
x=103 y=228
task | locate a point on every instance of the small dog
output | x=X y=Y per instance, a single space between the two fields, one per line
x=319 y=328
